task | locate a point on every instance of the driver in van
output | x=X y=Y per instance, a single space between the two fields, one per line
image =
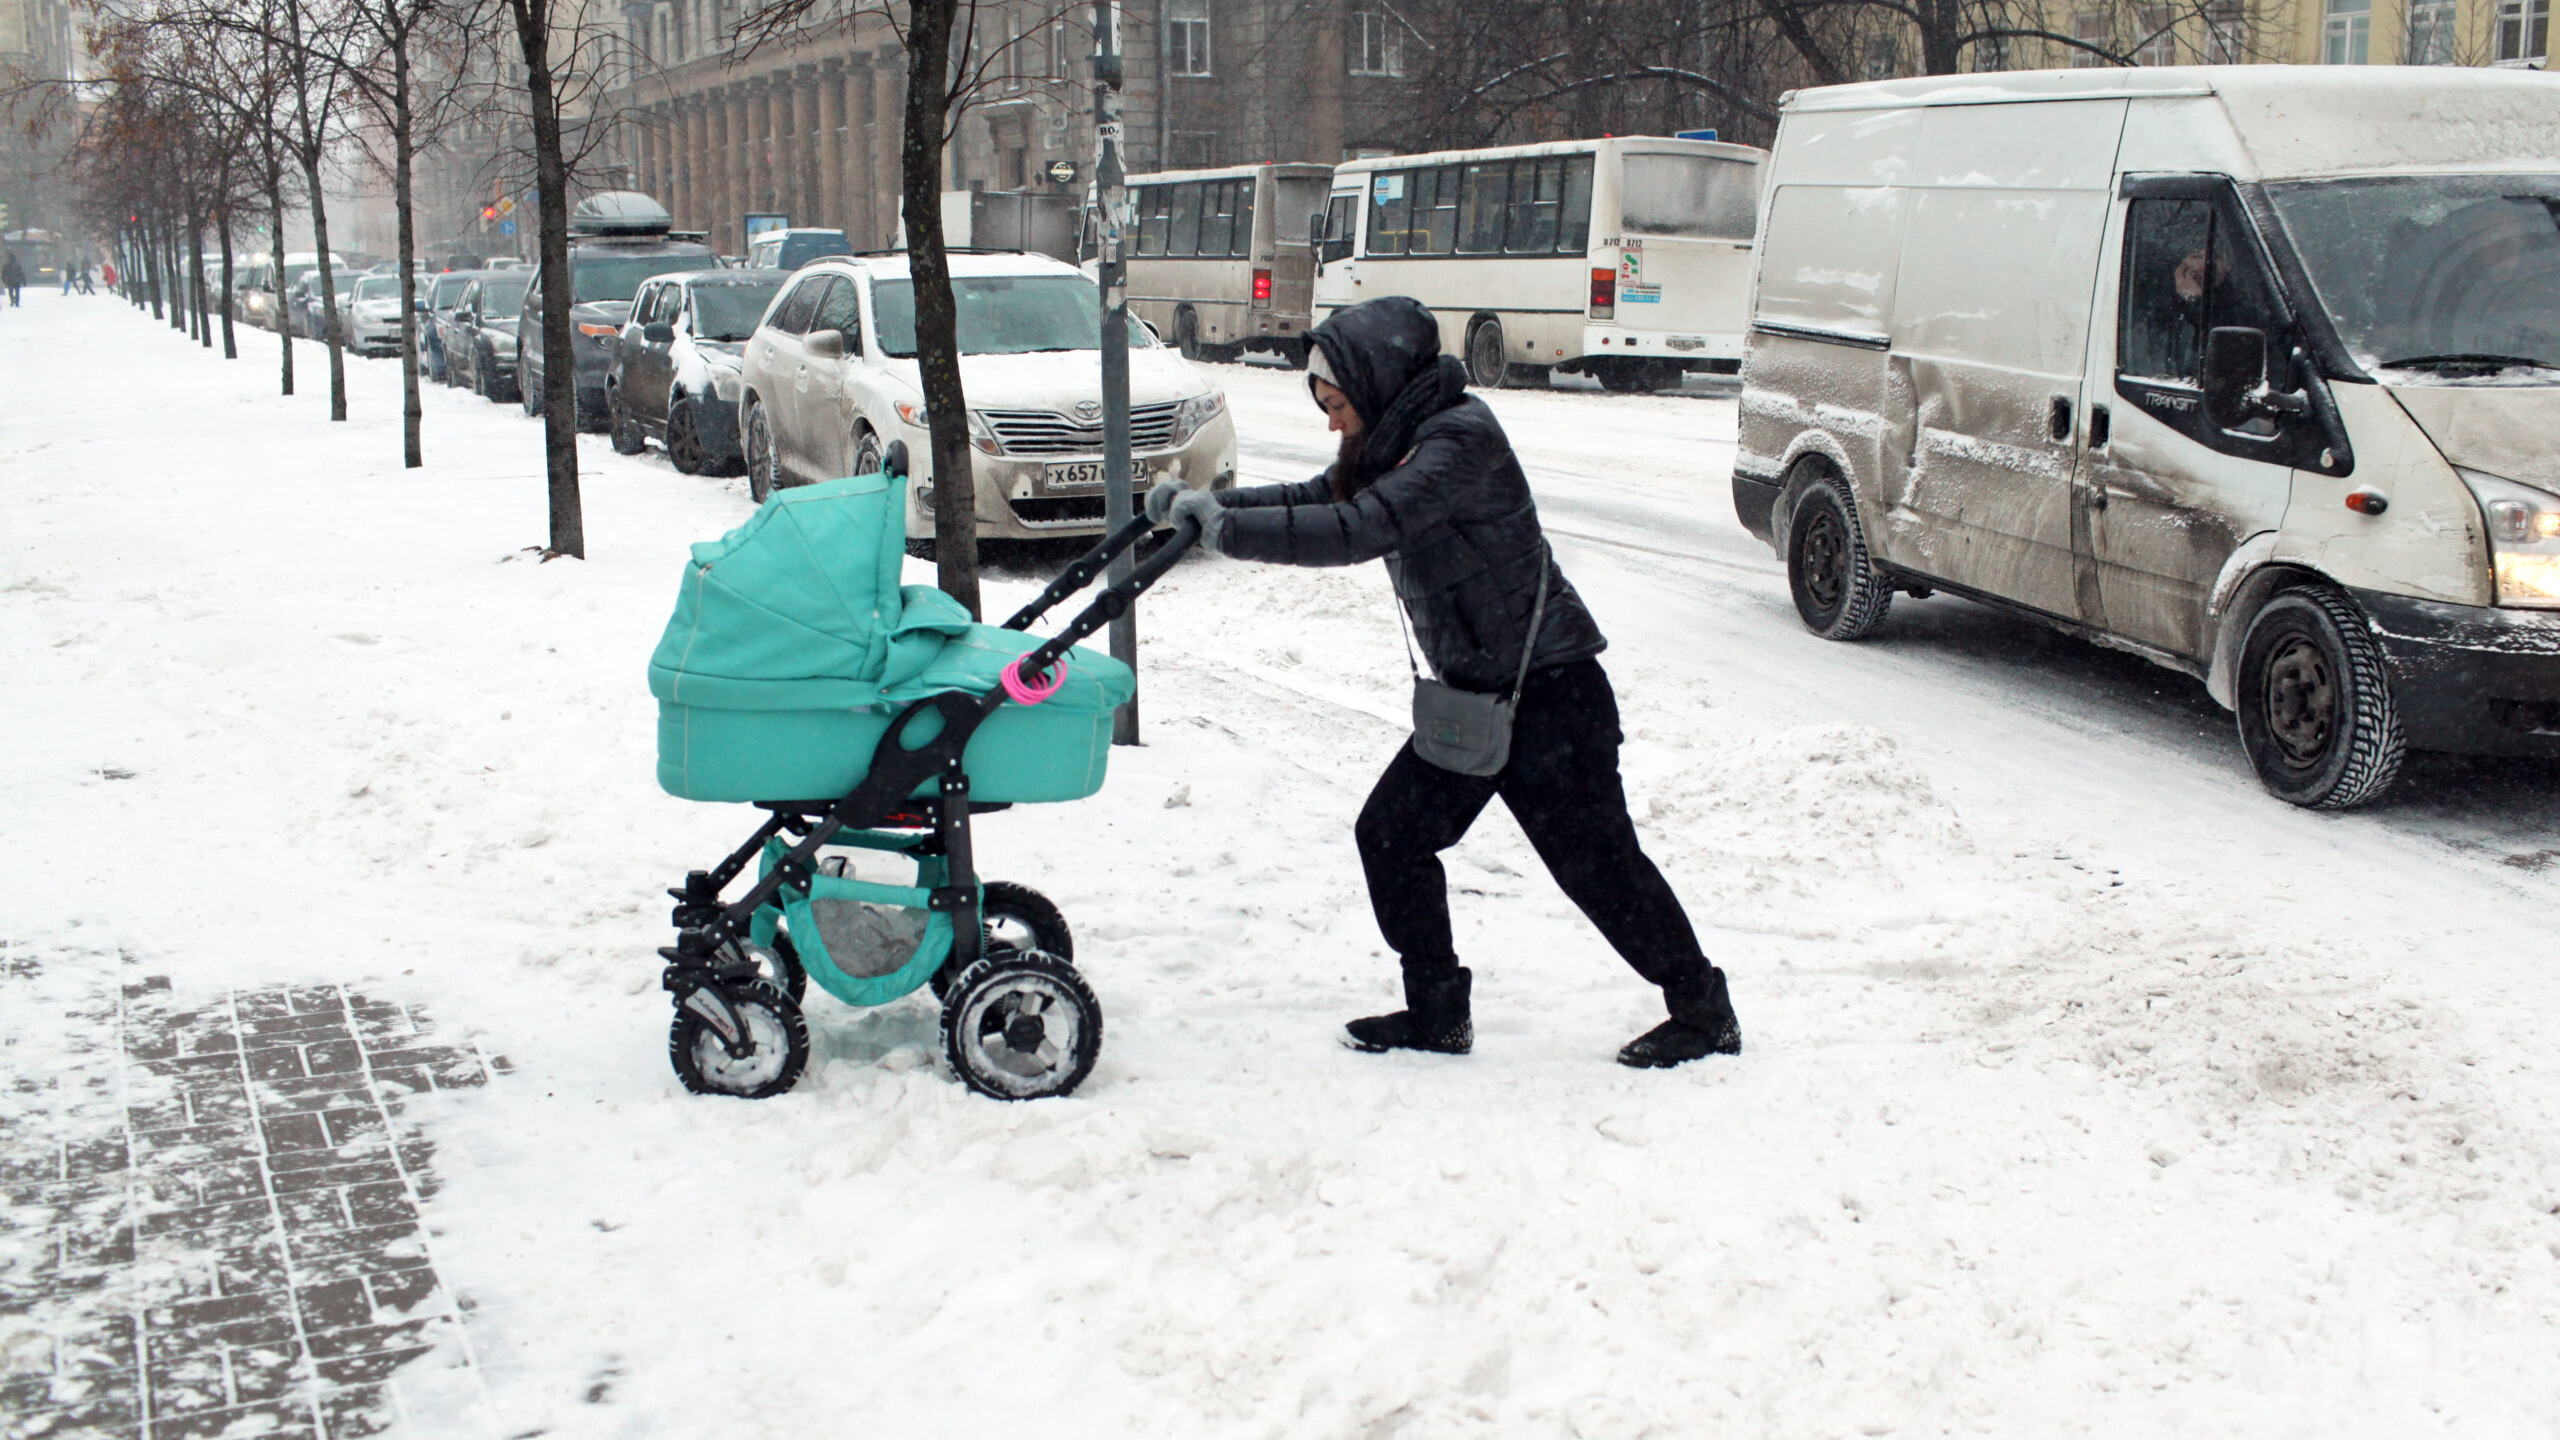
x=1426 y=479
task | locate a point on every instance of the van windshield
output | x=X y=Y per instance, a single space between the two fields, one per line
x=1695 y=196
x=2451 y=277
x=1003 y=315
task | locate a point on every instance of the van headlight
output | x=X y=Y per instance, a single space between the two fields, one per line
x=2524 y=539
x=1197 y=411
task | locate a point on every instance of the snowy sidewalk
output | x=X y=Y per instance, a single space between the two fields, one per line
x=2079 y=1117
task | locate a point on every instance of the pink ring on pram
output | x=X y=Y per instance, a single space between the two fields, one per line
x=1030 y=692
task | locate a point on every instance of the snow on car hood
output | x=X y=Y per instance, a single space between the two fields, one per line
x=1057 y=379
x=2510 y=431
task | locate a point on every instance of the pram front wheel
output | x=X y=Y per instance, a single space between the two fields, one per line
x=1021 y=1026
x=778 y=1039
x=1013 y=918
x=786 y=973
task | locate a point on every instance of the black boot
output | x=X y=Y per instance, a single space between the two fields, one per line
x=1702 y=1023
x=1435 y=1016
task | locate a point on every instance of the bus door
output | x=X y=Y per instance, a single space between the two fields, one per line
x=1337 y=281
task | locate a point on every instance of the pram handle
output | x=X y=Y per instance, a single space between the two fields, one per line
x=1080 y=574
x=1112 y=603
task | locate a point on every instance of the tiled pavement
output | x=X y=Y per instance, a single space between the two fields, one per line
x=209 y=1210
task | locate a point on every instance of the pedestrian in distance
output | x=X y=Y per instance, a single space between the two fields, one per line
x=1425 y=478
x=85 y=287
x=107 y=273
x=13 y=277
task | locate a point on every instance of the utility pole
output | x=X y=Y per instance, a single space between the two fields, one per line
x=1110 y=203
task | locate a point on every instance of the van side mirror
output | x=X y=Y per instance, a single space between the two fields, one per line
x=660 y=333
x=2235 y=379
x=825 y=344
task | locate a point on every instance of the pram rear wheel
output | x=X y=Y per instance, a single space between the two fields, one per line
x=1014 y=918
x=786 y=973
x=1021 y=1027
x=780 y=1053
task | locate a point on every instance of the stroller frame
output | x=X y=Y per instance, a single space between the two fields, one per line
x=713 y=971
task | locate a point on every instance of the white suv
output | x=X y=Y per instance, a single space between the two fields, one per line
x=830 y=380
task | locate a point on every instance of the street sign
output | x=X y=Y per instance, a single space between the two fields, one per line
x=506 y=227
x=506 y=205
x=1695 y=135
x=1062 y=172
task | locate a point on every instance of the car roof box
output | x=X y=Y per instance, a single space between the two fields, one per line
x=620 y=212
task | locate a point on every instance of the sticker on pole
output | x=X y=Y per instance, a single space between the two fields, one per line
x=1108 y=132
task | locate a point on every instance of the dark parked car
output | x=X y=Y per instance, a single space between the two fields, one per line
x=617 y=241
x=437 y=297
x=481 y=338
x=675 y=371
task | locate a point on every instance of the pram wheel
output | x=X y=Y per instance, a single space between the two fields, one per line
x=1021 y=1026
x=780 y=1037
x=786 y=973
x=1015 y=918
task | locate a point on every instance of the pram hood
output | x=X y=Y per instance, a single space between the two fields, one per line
x=800 y=609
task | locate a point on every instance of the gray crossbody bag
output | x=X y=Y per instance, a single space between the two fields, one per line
x=1465 y=731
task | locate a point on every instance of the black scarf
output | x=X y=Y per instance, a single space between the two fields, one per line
x=1382 y=444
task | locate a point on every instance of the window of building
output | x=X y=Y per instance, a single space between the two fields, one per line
x=2524 y=30
x=2226 y=33
x=1058 y=41
x=2346 y=34
x=2158 y=44
x=1189 y=37
x=1884 y=57
x=2092 y=27
x=2430 y=32
x=1377 y=46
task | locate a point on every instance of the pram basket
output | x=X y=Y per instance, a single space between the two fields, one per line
x=1018 y=1020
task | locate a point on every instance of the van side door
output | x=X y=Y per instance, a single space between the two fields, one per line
x=2000 y=258
x=2169 y=495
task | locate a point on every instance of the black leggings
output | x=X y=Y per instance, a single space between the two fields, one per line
x=1562 y=786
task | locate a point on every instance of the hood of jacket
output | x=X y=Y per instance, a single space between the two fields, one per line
x=1374 y=349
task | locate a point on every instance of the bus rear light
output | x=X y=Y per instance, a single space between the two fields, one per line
x=1261 y=289
x=1604 y=294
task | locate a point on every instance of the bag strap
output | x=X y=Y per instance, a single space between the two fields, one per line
x=1537 y=620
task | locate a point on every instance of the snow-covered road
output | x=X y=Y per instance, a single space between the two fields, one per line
x=2086 y=1091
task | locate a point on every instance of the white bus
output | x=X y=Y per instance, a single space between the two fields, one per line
x=1221 y=262
x=1627 y=259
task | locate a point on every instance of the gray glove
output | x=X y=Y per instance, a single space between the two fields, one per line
x=1160 y=499
x=1202 y=506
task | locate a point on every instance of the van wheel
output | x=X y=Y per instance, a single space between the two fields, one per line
x=1488 y=361
x=2315 y=708
x=1836 y=585
x=764 y=474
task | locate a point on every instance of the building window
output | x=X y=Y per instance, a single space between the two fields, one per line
x=2092 y=28
x=1377 y=43
x=2430 y=32
x=1057 y=45
x=2158 y=43
x=2226 y=33
x=2524 y=30
x=2345 y=35
x=1190 y=37
x=1884 y=57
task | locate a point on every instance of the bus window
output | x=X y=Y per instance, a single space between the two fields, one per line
x=1240 y=199
x=1389 y=211
x=1297 y=198
x=1484 y=198
x=1341 y=218
x=1184 y=234
x=1697 y=196
x=1435 y=211
x=1217 y=217
x=1152 y=219
x=1536 y=187
x=1573 y=216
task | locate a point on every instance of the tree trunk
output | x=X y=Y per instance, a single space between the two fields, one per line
x=332 y=331
x=560 y=362
x=275 y=263
x=230 y=343
x=955 y=485
x=195 y=277
x=412 y=407
x=151 y=268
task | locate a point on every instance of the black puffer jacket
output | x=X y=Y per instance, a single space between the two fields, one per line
x=1451 y=512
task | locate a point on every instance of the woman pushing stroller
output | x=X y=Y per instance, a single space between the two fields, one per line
x=1426 y=479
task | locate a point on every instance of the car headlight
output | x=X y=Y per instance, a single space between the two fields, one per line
x=725 y=384
x=981 y=434
x=1197 y=411
x=2524 y=539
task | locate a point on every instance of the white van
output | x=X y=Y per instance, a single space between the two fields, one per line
x=2251 y=370
x=1627 y=258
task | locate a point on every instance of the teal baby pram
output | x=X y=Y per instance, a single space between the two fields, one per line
x=797 y=675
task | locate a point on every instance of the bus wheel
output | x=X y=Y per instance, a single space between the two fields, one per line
x=1488 y=361
x=1186 y=335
